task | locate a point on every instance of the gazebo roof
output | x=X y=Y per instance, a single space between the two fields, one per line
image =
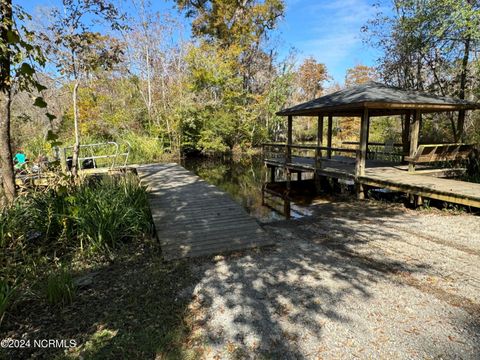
x=380 y=99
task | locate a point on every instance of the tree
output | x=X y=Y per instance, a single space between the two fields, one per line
x=17 y=53
x=311 y=76
x=360 y=74
x=159 y=63
x=241 y=23
x=428 y=45
x=78 y=52
x=236 y=69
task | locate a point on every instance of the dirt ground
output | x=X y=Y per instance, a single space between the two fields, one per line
x=356 y=280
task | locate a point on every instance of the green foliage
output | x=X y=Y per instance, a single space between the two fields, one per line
x=59 y=287
x=144 y=149
x=74 y=221
x=111 y=212
x=7 y=293
x=92 y=217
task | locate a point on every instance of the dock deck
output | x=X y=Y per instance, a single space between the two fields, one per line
x=193 y=218
x=384 y=175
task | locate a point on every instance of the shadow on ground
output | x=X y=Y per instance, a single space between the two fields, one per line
x=270 y=303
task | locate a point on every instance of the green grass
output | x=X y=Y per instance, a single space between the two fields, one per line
x=7 y=293
x=59 y=287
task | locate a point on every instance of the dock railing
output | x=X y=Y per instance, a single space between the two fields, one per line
x=283 y=153
x=108 y=154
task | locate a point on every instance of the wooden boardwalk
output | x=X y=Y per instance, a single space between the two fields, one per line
x=193 y=218
x=396 y=178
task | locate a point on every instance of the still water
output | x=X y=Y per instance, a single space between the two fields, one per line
x=242 y=178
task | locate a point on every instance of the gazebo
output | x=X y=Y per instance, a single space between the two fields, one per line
x=366 y=101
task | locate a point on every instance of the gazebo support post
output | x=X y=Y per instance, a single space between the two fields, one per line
x=362 y=153
x=329 y=136
x=406 y=135
x=318 y=152
x=288 y=155
x=288 y=152
x=414 y=135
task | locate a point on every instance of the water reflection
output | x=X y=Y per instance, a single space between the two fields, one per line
x=245 y=177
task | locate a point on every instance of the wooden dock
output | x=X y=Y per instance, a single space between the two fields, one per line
x=383 y=175
x=193 y=218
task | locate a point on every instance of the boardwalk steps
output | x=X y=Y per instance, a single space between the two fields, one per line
x=193 y=218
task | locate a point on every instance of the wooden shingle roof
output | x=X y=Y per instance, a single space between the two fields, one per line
x=380 y=99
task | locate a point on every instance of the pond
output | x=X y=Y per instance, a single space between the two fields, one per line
x=243 y=177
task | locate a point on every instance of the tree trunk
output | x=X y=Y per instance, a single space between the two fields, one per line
x=76 y=146
x=6 y=160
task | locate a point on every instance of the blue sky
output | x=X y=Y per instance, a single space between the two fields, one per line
x=328 y=30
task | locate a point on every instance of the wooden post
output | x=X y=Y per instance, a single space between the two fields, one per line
x=329 y=136
x=414 y=135
x=288 y=158
x=319 y=140
x=286 y=208
x=406 y=136
x=362 y=153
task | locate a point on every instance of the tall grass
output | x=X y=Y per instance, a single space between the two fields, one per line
x=44 y=229
x=59 y=287
x=98 y=213
x=7 y=292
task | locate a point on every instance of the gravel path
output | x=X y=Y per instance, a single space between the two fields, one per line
x=356 y=280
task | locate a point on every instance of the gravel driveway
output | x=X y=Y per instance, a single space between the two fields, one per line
x=356 y=280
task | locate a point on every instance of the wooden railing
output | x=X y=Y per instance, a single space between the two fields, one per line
x=285 y=153
x=391 y=152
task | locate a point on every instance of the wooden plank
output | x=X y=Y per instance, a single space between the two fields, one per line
x=192 y=217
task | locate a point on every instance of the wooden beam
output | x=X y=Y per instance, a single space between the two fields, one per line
x=329 y=136
x=406 y=135
x=318 y=152
x=362 y=150
x=288 y=157
x=414 y=135
x=362 y=153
